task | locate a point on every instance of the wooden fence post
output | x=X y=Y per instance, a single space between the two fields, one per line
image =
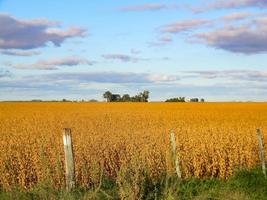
x=174 y=155
x=69 y=159
x=261 y=151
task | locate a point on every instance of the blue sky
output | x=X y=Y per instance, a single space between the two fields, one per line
x=211 y=49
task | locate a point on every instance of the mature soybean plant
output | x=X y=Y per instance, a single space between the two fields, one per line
x=212 y=140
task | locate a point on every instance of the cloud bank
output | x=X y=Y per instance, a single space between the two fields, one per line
x=112 y=77
x=249 y=38
x=229 y=85
x=52 y=64
x=230 y=4
x=186 y=25
x=19 y=53
x=240 y=75
x=4 y=73
x=30 y=34
x=235 y=16
x=121 y=57
x=147 y=7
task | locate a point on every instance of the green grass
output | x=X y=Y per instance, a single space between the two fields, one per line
x=244 y=185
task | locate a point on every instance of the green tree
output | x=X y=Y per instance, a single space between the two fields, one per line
x=145 y=96
x=107 y=95
x=194 y=100
x=126 y=98
x=141 y=97
x=179 y=99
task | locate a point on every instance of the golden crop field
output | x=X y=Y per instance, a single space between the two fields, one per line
x=213 y=139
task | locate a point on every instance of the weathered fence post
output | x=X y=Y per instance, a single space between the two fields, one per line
x=261 y=151
x=174 y=155
x=69 y=159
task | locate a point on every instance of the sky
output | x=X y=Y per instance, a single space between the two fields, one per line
x=78 y=49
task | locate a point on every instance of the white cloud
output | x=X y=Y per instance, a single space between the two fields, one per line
x=148 y=7
x=30 y=34
x=19 y=53
x=229 y=4
x=185 y=25
x=248 y=38
x=52 y=64
x=122 y=57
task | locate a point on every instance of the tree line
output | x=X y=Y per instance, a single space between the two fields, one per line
x=141 y=97
x=182 y=99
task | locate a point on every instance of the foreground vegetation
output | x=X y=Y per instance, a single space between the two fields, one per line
x=128 y=146
x=244 y=185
